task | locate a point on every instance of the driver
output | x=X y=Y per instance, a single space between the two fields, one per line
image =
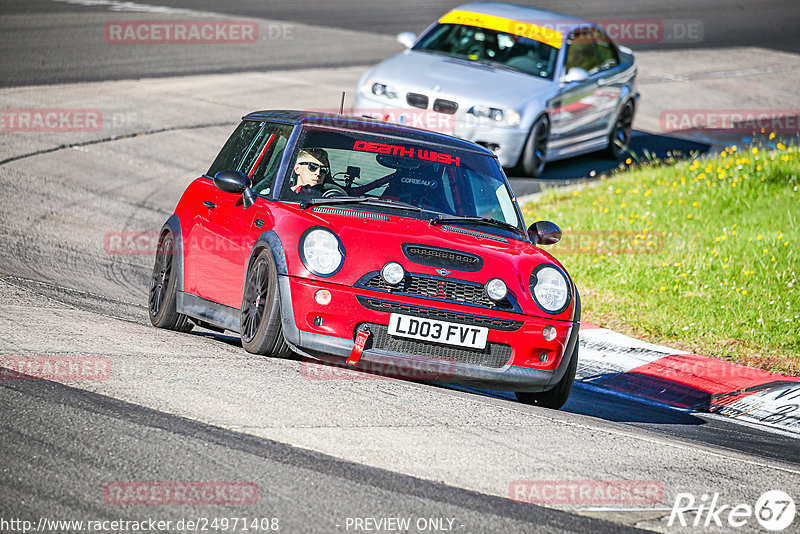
x=311 y=170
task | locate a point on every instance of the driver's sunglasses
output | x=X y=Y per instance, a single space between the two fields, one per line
x=314 y=167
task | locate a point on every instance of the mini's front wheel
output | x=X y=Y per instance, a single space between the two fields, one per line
x=161 y=299
x=261 y=327
x=556 y=397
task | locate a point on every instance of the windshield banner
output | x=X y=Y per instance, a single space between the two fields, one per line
x=544 y=35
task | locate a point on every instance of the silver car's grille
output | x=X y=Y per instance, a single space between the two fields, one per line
x=417 y=100
x=445 y=106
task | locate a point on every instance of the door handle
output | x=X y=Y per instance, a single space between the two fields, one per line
x=602 y=81
x=210 y=205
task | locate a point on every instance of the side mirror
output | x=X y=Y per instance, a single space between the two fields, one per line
x=406 y=39
x=237 y=183
x=576 y=74
x=231 y=181
x=544 y=233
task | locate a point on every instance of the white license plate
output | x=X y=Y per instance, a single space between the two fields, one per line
x=460 y=335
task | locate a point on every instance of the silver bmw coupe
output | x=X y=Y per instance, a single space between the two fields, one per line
x=532 y=86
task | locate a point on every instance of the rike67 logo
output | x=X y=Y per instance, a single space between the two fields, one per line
x=774 y=511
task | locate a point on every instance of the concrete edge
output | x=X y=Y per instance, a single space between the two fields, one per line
x=612 y=361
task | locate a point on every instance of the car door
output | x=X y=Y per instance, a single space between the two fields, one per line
x=576 y=110
x=231 y=229
x=197 y=246
x=611 y=79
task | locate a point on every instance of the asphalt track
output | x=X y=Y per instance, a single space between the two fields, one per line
x=196 y=407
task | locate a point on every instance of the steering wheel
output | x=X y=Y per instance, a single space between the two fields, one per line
x=333 y=190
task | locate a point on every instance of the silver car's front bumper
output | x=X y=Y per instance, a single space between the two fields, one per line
x=506 y=142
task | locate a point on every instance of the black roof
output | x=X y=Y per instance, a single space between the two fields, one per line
x=358 y=123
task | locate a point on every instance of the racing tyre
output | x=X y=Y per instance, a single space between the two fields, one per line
x=554 y=398
x=619 y=140
x=261 y=327
x=533 y=156
x=161 y=299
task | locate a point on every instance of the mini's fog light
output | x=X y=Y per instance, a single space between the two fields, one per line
x=496 y=289
x=323 y=296
x=549 y=332
x=393 y=273
x=543 y=357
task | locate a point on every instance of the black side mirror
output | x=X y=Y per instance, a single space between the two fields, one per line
x=237 y=183
x=544 y=233
x=231 y=181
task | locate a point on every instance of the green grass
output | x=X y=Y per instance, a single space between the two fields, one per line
x=701 y=255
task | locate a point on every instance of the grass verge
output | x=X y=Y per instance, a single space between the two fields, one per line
x=701 y=255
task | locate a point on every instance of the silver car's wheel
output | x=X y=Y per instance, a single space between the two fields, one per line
x=533 y=157
x=620 y=139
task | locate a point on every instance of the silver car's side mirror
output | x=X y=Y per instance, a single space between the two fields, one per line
x=406 y=39
x=576 y=74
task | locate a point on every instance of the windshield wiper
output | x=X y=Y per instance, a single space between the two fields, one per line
x=383 y=202
x=488 y=221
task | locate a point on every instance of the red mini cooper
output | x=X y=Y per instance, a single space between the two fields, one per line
x=372 y=245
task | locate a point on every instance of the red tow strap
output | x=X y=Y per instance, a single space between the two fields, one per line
x=358 y=348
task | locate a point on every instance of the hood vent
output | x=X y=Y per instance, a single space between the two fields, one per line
x=351 y=213
x=442 y=257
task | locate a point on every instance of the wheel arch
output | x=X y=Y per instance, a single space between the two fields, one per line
x=173 y=225
x=269 y=240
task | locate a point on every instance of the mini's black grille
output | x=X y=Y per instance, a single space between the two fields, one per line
x=442 y=257
x=351 y=213
x=445 y=106
x=440 y=315
x=417 y=100
x=495 y=355
x=437 y=288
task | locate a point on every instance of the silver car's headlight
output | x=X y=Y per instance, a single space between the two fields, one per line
x=511 y=117
x=549 y=288
x=321 y=251
x=382 y=89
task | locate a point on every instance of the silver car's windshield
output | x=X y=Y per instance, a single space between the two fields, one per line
x=401 y=173
x=491 y=47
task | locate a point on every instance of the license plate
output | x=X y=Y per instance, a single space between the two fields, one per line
x=460 y=335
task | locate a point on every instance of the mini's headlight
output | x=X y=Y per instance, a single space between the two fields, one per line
x=496 y=289
x=321 y=251
x=381 y=89
x=393 y=273
x=549 y=289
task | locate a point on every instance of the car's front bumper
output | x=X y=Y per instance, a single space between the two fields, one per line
x=506 y=142
x=328 y=333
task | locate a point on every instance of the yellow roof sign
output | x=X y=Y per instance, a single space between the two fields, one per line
x=544 y=35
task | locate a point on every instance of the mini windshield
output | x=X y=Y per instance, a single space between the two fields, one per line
x=491 y=47
x=436 y=180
